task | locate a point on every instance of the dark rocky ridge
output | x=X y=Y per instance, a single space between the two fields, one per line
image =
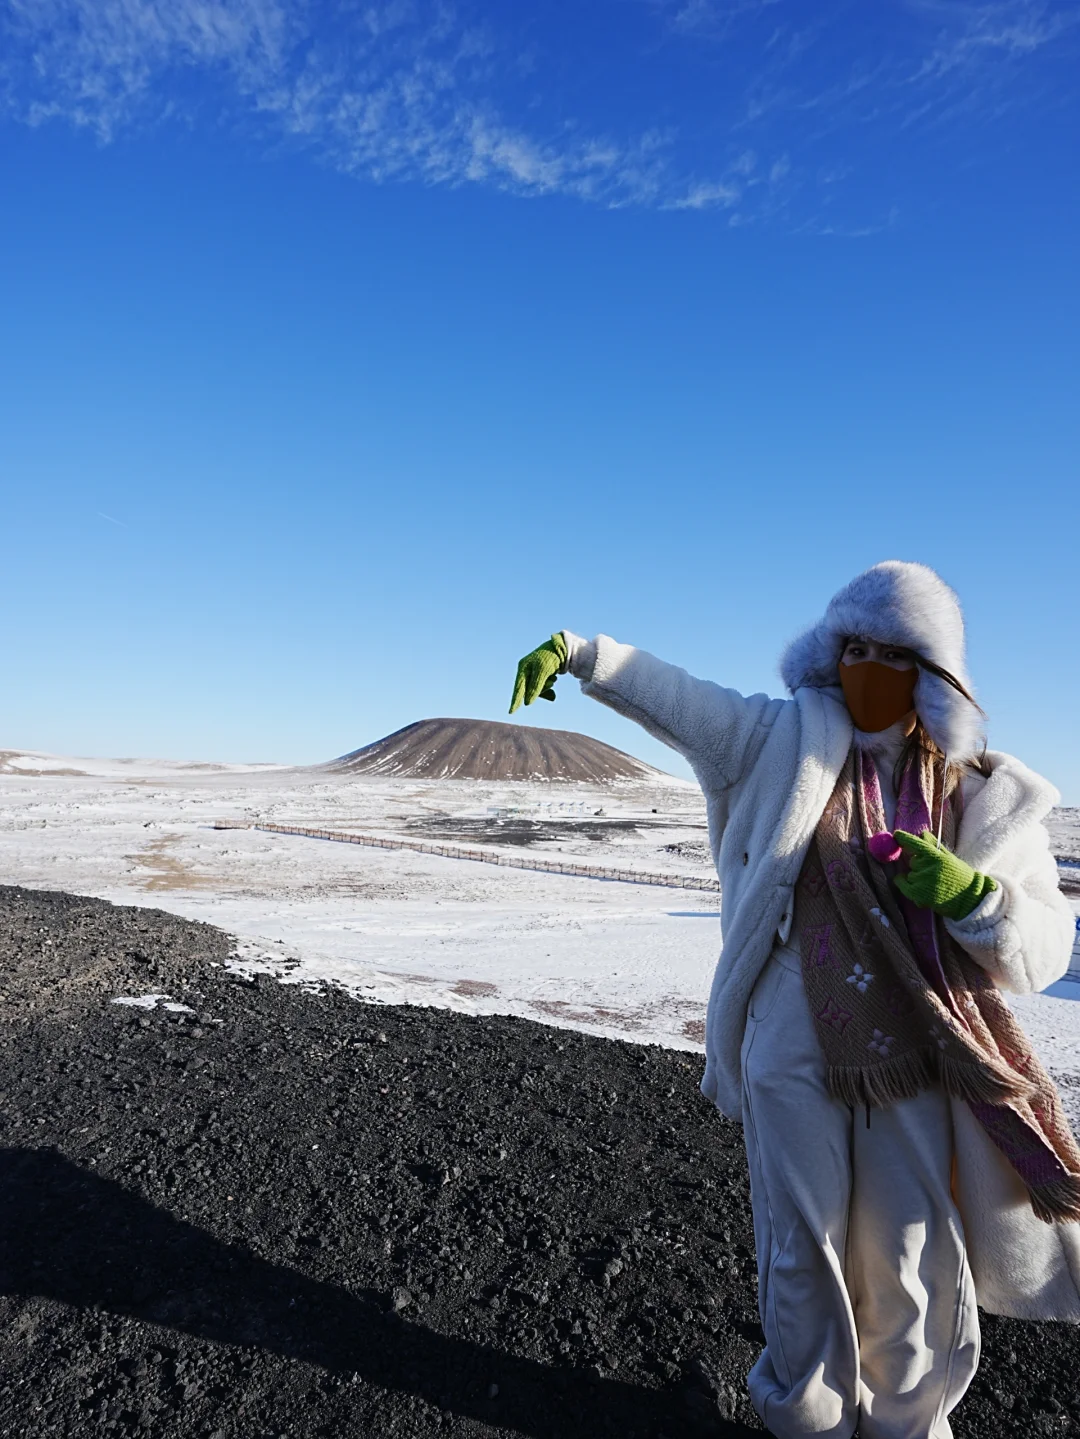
x=290 y=1213
x=491 y=750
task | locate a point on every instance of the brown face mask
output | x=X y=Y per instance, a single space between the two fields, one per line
x=876 y=694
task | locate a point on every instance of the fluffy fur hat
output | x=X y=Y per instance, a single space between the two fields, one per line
x=896 y=603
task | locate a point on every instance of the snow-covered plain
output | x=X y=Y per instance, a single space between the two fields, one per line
x=399 y=927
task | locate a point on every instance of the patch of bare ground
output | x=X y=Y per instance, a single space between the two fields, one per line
x=21 y=771
x=166 y=871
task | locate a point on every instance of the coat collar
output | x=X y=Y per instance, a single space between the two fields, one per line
x=1012 y=798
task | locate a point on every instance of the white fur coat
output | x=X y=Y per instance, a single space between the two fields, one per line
x=767 y=768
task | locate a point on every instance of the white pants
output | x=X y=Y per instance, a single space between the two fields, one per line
x=864 y=1290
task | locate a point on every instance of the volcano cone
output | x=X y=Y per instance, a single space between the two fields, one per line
x=490 y=750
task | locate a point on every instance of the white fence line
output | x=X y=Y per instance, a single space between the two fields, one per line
x=480 y=856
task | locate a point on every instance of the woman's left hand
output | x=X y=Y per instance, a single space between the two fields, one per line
x=938 y=879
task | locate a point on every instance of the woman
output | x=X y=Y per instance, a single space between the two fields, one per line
x=883 y=878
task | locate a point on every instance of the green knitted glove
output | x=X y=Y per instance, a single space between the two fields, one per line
x=536 y=672
x=937 y=879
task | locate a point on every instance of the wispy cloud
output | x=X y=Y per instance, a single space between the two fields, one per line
x=421 y=90
x=902 y=59
x=417 y=110
x=975 y=62
x=969 y=36
x=707 y=195
x=98 y=63
x=400 y=90
x=713 y=18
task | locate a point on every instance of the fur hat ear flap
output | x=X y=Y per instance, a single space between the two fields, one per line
x=903 y=604
x=811 y=659
x=951 y=721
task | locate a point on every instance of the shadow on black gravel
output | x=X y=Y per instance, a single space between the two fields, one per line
x=88 y=1243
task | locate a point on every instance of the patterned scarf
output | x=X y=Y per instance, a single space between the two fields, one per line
x=899 y=1006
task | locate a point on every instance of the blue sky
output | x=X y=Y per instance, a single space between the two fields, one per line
x=351 y=349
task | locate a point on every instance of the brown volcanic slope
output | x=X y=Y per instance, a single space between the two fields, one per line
x=487 y=749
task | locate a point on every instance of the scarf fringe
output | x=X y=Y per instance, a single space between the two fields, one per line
x=979 y=1084
x=1057 y=1202
x=902 y=1077
x=906 y=1075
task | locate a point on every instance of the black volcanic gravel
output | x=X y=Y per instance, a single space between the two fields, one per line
x=289 y=1213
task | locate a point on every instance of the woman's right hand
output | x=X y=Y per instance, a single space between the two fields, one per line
x=536 y=672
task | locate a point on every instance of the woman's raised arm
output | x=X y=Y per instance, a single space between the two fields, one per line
x=718 y=730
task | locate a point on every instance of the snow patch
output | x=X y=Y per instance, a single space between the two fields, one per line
x=151 y=1001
